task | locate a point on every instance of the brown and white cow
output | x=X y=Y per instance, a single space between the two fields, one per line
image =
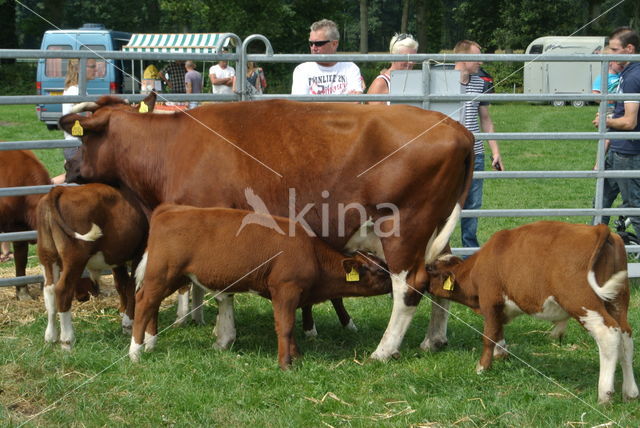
x=20 y=168
x=218 y=249
x=553 y=271
x=96 y=227
x=333 y=167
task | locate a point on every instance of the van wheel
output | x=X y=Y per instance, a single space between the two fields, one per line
x=577 y=103
x=51 y=127
x=558 y=103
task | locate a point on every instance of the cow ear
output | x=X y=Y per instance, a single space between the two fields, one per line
x=86 y=124
x=349 y=264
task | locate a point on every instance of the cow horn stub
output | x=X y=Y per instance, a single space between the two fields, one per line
x=85 y=106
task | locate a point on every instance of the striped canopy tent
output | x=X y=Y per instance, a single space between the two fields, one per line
x=183 y=43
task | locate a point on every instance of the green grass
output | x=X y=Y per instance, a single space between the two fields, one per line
x=185 y=382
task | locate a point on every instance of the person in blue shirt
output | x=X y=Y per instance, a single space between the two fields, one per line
x=611 y=190
x=624 y=154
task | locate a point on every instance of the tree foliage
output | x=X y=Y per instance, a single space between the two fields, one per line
x=438 y=24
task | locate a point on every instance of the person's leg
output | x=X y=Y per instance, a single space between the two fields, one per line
x=469 y=225
x=629 y=187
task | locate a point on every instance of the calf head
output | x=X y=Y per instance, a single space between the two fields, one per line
x=365 y=275
x=444 y=281
x=96 y=161
x=442 y=277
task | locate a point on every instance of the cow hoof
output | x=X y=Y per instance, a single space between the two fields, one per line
x=480 y=369
x=222 y=346
x=66 y=345
x=381 y=355
x=605 y=398
x=351 y=326
x=127 y=330
x=311 y=334
x=436 y=345
x=396 y=355
x=51 y=336
x=22 y=294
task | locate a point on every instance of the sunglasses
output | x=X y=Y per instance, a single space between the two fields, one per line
x=318 y=43
x=402 y=37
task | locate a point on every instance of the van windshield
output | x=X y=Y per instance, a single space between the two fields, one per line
x=56 y=67
x=100 y=64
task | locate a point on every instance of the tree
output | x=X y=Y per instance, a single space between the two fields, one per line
x=8 y=36
x=404 y=21
x=364 y=27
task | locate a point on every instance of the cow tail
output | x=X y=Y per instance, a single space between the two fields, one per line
x=618 y=280
x=439 y=241
x=142 y=267
x=54 y=197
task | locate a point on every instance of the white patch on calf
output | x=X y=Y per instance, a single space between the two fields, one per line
x=142 y=267
x=350 y=326
x=150 y=341
x=135 y=350
x=97 y=262
x=629 y=386
x=401 y=317
x=552 y=311
x=609 y=342
x=67 y=336
x=611 y=288
x=92 y=235
x=51 y=333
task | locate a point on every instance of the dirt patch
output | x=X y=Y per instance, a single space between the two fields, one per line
x=3 y=123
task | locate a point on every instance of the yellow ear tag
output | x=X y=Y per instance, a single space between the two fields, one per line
x=77 y=130
x=144 y=108
x=448 y=285
x=353 y=276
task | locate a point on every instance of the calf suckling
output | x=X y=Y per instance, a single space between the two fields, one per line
x=96 y=227
x=552 y=271
x=218 y=249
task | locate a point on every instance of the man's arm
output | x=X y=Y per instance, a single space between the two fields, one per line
x=629 y=121
x=486 y=124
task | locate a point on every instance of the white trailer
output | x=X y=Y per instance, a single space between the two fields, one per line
x=542 y=77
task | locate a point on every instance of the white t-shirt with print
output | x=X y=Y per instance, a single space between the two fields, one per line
x=222 y=73
x=311 y=78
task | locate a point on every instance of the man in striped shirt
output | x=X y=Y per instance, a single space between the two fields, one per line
x=475 y=117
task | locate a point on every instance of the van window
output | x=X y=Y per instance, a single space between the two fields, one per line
x=536 y=49
x=101 y=68
x=56 y=67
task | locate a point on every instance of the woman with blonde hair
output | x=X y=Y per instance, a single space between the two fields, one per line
x=71 y=88
x=401 y=44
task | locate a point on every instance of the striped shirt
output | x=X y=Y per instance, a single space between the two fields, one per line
x=470 y=110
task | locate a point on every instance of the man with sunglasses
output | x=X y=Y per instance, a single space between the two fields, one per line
x=325 y=78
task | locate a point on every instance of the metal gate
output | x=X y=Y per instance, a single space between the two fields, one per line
x=241 y=57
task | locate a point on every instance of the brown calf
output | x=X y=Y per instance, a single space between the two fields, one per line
x=218 y=249
x=18 y=213
x=93 y=226
x=553 y=271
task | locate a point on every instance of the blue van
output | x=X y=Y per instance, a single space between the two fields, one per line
x=52 y=71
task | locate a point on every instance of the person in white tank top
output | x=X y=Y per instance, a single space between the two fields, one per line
x=401 y=44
